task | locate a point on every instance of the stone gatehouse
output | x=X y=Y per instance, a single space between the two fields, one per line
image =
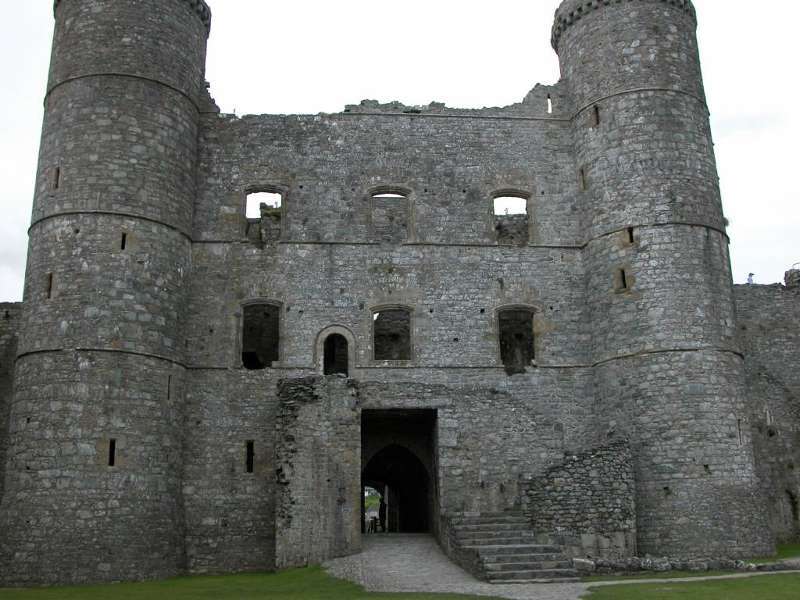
x=232 y=326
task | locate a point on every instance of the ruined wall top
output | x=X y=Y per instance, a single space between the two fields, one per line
x=571 y=11
x=792 y=279
x=199 y=6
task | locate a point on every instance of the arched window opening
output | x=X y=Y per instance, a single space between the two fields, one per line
x=336 y=355
x=390 y=209
x=511 y=220
x=260 y=336
x=516 y=339
x=264 y=212
x=392 y=334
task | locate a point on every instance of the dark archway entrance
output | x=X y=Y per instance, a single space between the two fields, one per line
x=398 y=462
x=402 y=478
x=336 y=355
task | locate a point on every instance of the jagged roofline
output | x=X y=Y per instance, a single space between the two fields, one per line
x=571 y=11
x=200 y=7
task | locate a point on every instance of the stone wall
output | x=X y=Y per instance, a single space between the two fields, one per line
x=9 y=324
x=229 y=512
x=489 y=439
x=769 y=330
x=97 y=432
x=668 y=374
x=318 y=471
x=587 y=502
x=64 y=494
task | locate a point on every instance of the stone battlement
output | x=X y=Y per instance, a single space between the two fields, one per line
x=571 y=11
x=199 y=6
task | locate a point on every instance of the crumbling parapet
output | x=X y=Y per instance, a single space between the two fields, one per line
x=792 y=279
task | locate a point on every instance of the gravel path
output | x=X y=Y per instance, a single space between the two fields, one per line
x=690 y=579
x=415 y=563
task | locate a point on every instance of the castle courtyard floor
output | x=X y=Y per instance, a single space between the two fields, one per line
x=415 y=563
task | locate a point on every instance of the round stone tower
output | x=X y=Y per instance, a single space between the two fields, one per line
x=94 y=470
x=668 y=372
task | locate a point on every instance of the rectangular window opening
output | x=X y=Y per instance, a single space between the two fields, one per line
x=49 y=285
x=169 y=387
x=631 y=238
x=259 y=203
x=392 y=334
x=123 y=243
x=264 y=212
x=261 y=336
x=516 y=339
x=511 y=220
x=595 y=116
x=739 y=430
x=549 y=104
x=112 y=452
x=582 y=179
x=57 y=178
x=250 y=451
x=390 y=216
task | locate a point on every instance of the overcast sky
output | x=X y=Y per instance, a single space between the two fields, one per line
x=304 y=56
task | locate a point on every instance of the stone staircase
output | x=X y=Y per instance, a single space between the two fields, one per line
x=506 y=550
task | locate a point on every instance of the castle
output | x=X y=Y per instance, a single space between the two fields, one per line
x=191 y=386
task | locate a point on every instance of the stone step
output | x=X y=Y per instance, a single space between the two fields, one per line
x=543 y=565
x=530 y=575
x=559 y=579
x=458 y=521
x=502 y=513
x=509 y=551
x=490 y=550
x=472 y=527
x=497 y=533
x=520 y=557
x=507 y=539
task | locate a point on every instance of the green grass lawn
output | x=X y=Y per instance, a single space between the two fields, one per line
x=299 y=584
x=770 y=587
x=784 y=551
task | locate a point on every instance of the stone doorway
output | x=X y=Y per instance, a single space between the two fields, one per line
x=397 y=462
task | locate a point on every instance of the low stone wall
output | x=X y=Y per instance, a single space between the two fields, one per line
x=469 y=560
x=318 y=458
x=649 y=564
x=587 y=503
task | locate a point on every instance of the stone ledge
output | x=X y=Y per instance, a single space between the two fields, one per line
x=573 y=10
x=200 y=7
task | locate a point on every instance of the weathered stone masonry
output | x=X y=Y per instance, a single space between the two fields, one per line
x=9 y=322
x=146 y=437
x=769 y=328
x=589 y=500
